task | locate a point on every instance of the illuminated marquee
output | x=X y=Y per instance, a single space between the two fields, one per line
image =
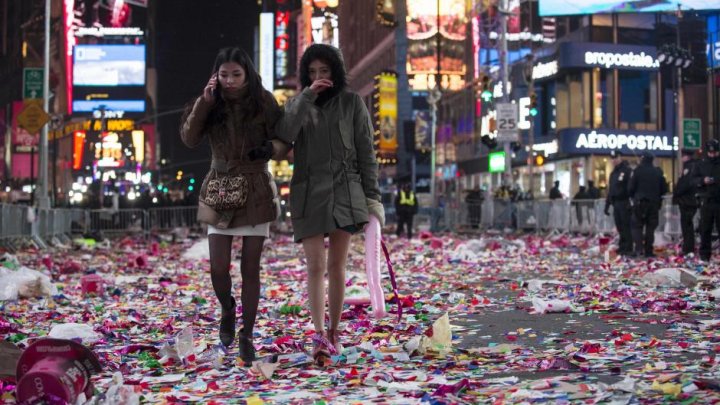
x=628 y=59
x=282 y=44
x=543 y=70
x=595 y=140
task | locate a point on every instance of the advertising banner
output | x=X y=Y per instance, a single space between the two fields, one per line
x=602 y=141
x=564 y=7
x=387 y=113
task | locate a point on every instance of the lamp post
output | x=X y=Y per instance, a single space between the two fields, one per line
x=677 y=59
x=433 y=99
x=504 y=78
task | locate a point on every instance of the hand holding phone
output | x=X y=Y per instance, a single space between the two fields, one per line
x=210 y=91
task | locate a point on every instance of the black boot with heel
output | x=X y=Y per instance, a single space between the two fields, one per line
x=227 y=324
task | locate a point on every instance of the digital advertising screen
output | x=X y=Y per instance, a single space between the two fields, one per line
x=550 y=8
x=109 y=65
x=110 y=77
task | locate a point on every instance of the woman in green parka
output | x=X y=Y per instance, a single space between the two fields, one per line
x=334 y=185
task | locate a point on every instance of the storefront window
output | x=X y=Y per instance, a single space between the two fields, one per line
x=638 y=100
x=573 y=102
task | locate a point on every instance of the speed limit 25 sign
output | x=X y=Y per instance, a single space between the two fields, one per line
x=507 y=122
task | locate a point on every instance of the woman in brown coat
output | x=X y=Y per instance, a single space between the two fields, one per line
x=334 y=185
x=238 y=116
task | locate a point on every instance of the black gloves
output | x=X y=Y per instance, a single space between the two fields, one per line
x=264 y=151
x=607 y=209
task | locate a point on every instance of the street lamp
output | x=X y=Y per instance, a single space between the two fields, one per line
x=677 y=58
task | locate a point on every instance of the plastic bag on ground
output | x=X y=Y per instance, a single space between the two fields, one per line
x=547 y=306
x=72 y=331
x=24 y=283
x=671 y=277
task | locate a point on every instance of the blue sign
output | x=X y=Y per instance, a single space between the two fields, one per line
x=585 y=141
x=608 y=56
x=713 y=41
x=564 y=7
x=111 y=105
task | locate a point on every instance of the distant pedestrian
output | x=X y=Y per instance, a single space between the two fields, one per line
x=707 y=178
x=406 y=206
x=593 y=192
x=646 y=187
x=685 y=196
x=237 y=197
x=619 y=199
x=474 y=200
x=555 y=193
x=579 y=200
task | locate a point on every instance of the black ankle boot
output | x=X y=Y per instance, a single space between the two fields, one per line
x=246 y=349
x=227 y=324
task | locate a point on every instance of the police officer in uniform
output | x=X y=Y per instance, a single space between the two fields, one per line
x=646 y=188
x=406 y=206
x=619 y=199
x=685 y=197
x=707 y=179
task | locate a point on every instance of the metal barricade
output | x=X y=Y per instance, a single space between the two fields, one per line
x=167 y=218
x=582 y=216
x=526 y=214
x=14 y=221
x=124 y=221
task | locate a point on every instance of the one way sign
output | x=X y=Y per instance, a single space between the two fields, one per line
x=32 y=83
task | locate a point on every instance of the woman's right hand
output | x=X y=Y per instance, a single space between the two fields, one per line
x=320 y=85
x=208 y=92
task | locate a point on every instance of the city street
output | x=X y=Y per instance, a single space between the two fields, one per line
x=628 y=334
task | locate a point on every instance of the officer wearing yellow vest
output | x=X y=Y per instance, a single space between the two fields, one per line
x=406 y=206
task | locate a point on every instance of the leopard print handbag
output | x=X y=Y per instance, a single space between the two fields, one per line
x=226 y=192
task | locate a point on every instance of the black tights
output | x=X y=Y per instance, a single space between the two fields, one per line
x=220 y=255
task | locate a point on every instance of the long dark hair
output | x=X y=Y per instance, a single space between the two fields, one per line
x=333 y=58
x=255 y=93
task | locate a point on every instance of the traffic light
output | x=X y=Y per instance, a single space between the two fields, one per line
x=539 y=160
x=491 y=143
x=486 y=94
x=533 y=105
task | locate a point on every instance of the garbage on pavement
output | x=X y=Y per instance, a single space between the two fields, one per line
x=152 y=325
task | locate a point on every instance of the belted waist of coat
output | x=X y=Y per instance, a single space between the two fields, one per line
x=224 y=166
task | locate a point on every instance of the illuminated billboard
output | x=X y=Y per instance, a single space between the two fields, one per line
x=104 y=54
x=387 y=113
x=422 y=32
x=565 y=7
x=109 y=65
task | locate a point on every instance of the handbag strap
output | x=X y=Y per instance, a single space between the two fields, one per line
x=393 y=282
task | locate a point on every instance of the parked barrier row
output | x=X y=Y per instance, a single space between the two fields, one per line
x=578 y=216
x=19 y=223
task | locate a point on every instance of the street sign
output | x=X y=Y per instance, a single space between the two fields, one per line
x=507 y=122
x=32 y=83
x=32 y=118
x=692 y=133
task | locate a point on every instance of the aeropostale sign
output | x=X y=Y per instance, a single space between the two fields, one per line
x=599 y=141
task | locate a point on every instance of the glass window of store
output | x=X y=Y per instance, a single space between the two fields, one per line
x=638 y=100
x=572 y=94
x=603 y=108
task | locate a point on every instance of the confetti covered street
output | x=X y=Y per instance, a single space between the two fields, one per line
x=488 y=319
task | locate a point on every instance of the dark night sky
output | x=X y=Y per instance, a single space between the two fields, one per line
x=189 y=33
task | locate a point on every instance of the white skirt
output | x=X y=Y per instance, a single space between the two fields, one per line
x=245 y=230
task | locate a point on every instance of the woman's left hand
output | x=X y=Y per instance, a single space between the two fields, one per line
x=376 y=209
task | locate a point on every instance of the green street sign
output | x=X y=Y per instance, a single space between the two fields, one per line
x=692 y=133
x=32 y=83
x=496 y=162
